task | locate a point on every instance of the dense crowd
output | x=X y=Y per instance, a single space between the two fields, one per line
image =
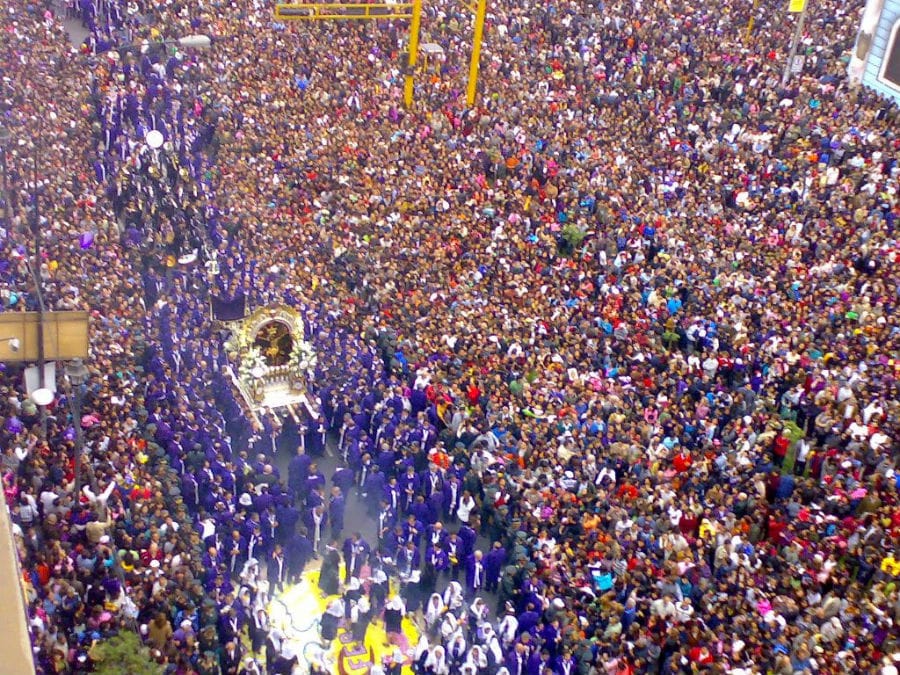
x=630 y=321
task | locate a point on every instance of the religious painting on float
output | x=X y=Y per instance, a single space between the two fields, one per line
x=274 y=341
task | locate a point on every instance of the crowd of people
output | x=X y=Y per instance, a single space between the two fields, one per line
x=630 y=321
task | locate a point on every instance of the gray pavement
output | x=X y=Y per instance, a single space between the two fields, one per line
x=357 y=516
x=74 y=28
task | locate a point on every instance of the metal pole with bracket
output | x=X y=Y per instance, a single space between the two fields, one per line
x=795 y=41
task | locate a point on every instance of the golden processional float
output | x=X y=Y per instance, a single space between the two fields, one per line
x=274 y=361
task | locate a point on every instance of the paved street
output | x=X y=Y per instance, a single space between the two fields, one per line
x=358 y=518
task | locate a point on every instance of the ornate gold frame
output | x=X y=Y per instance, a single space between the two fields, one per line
x=251 y=325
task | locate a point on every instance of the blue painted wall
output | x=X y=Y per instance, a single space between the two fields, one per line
x=889 y=16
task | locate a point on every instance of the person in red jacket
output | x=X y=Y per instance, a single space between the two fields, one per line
x=473 y=394
x=780 y=448
x=689 y=524
x=628 y=490
x=682 y=461
x=775 y=528
x=701 y=656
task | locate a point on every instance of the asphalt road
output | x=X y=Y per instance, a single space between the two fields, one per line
x=76 y=31
x=357 y=517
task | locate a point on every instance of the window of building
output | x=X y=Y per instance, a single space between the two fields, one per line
x=890 y=65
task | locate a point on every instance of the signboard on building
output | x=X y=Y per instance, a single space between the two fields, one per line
x=875 y=59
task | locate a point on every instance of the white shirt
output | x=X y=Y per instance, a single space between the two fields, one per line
x=466 y=505
x=870 y=410
x=858 y=431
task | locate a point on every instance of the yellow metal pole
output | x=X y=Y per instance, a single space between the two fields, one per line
x=751 y=22
x=472 y=88
x=409 y=84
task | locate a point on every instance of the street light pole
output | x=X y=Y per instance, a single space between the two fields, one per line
x=34 y=267
x=77 y=375
x=5 y=137
x=36 y=278
x=795 y=43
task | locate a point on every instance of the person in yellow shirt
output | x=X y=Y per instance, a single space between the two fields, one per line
x=591 y=522
x=890 y=564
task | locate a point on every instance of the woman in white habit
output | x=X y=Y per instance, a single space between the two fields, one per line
x=477 y=659
x=436 y=663
x=453 y=596
x=433 y=612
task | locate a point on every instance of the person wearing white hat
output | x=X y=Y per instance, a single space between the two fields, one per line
x=421 y=652
x=449 y=627
x=250 y=574
x=491 y=645
x=360 y=618
x=478 y=613
x=456 y=646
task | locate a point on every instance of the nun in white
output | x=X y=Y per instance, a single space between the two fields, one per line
x=477 y=660
x=250 y=573
x=433 y=612
x=449 y=627
x=436 y=663
x=453 y=596
x=456 y=649
x=492 y=649
x=508 y=628
x=478 y=613
x=421 y=653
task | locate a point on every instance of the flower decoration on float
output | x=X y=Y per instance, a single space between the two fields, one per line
x=253 y=364
x=303 y=357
